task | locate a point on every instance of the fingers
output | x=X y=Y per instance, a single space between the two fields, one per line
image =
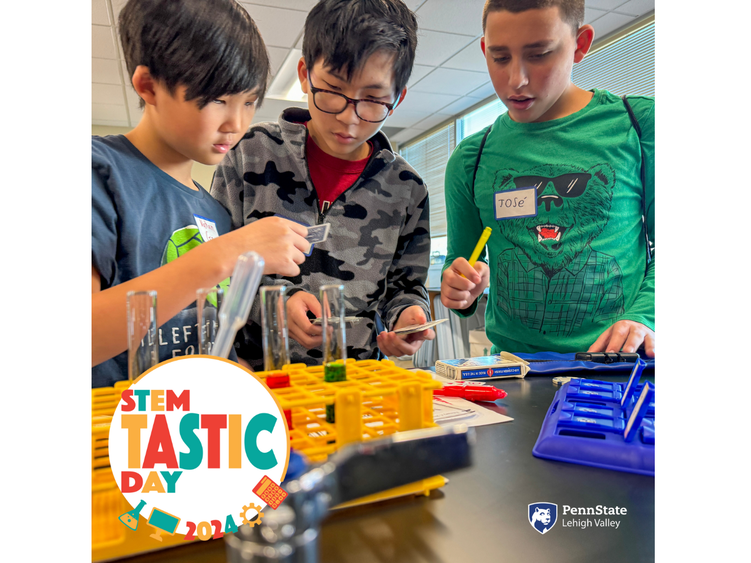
x=281 y=242
x=649 y=345
x=457 y=289
x=617 y=338
x=602 y=340
x=392 y=344
x=298 y=233
x=484 y=270
x=306 y=334
x=413 y=315
x=302 y=246
x=301 y=230
x=633 y=340
x=626 y=336
x=310 y=302
x=300 y=328
x=462 y=267
x=428 y=334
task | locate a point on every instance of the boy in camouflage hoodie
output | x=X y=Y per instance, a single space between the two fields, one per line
x=332 y=165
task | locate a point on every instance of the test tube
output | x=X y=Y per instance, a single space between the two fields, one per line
x=233 y=314
x=274 y=325
x=334 y=338
x=208 y=301
x=142 y=346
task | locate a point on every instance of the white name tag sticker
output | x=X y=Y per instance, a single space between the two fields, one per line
x=206 y=227
x=513 y=204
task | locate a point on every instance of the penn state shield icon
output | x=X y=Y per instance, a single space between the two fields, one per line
x=543 y=516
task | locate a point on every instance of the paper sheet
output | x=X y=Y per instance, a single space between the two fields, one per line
x=448 y=411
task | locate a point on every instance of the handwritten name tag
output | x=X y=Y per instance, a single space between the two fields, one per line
x=513 y=204
x=206 y=227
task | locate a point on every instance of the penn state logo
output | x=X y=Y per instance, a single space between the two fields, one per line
x=543 y=516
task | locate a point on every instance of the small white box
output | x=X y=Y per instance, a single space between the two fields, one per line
x=500 y=366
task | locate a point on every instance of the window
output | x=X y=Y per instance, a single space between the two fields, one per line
x=479 y=119
x=429 y=157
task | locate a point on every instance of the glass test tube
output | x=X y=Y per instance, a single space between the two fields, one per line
x=334 y=338
x=142 y=345
x=208 y=301
x=274 y=325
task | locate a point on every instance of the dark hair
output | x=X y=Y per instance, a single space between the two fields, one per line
x=345 y=33
x=212 y=47
x=572 y=11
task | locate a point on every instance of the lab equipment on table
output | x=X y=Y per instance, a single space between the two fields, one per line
x=142 y=344
x=290 y=534
x=235 y=308
x=208 y=303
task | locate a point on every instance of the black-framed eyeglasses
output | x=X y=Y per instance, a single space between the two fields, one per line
x=566 y=185
x=335 y=103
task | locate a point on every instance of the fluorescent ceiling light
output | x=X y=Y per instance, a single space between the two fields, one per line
x=285 y=85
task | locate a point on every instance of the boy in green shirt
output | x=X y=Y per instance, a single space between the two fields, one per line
x=559 y=180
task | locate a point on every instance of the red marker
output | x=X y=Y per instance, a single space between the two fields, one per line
x=472 y=392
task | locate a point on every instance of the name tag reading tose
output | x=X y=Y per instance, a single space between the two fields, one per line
x=206 y=227
x=513 y=204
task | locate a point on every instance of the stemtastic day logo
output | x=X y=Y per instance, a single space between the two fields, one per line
x=198 y=446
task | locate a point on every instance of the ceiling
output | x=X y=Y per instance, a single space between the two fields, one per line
x=449 y=75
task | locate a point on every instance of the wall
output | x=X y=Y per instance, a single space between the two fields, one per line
x=201 y=173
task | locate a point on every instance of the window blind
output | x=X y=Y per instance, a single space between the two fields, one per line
x=625 y=67
x=429 y=157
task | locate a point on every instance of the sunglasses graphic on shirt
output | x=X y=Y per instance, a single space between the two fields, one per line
x=566 y=185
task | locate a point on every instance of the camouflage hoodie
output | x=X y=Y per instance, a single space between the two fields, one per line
x=378 y=244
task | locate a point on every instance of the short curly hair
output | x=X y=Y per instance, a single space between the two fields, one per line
x=572 y=11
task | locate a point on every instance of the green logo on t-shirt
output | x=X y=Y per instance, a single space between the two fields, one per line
x=182 y=241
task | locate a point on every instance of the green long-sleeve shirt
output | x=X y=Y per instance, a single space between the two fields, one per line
x=567 y=254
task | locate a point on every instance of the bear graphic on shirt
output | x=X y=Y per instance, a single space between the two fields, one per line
x=581 y=284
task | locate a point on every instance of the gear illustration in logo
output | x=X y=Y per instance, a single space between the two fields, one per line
x=244 y=513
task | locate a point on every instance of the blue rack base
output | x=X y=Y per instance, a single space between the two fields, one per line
x=590 y=431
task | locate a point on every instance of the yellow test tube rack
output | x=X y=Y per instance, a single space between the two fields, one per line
x=377 y=399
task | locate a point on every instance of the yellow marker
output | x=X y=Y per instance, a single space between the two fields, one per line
x=480 y=245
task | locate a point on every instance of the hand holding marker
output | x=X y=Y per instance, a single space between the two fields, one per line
x=480 y=245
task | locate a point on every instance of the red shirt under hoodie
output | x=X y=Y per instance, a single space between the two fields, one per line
x=332 y=176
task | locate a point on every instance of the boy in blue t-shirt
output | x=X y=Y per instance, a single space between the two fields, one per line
x=200 y=68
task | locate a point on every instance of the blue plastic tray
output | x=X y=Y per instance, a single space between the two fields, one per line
x=593 y=446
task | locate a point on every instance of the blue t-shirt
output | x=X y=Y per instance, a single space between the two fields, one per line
x=141 y=219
